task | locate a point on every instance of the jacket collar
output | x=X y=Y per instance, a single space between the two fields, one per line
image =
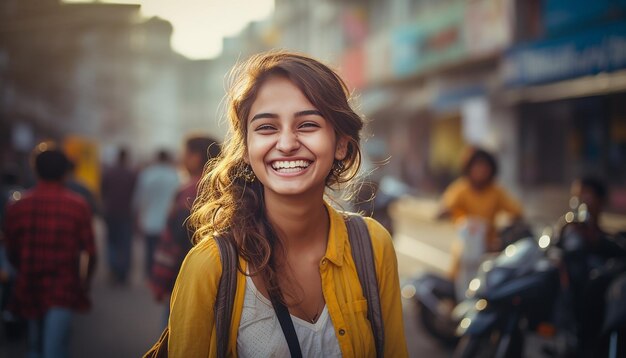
x=337 y=236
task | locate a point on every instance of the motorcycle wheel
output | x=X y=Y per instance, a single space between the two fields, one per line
x=475 y=347
x=438 y=327
x=486 y=346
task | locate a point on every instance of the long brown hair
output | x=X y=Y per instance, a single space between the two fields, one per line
x=227 y=203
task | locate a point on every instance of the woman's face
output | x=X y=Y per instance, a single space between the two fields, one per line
x=290 y=146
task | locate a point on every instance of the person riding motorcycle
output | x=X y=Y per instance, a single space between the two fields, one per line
x=582 y=261
x=473 y=201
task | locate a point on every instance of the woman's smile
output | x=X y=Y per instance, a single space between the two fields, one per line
x=291 y=146
x=290 y=167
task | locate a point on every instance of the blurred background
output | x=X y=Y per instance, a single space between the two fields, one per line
x=539 y=83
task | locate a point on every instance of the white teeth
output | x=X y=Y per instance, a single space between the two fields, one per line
x=284 y=164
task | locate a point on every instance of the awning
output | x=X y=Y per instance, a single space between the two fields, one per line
x=600 y=84
x=371 y=101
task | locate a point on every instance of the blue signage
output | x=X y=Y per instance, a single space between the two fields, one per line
x=594 y=51
x=562 y=16
x=447 y=99
x=429 y=42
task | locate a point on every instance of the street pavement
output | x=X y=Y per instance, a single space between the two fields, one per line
x=422 y=245
x=125 y=320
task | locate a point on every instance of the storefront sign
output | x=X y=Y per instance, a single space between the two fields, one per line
x=588 y=53
x=432 y=40
x=448 y=98
x=476 y=121
x=563 y=16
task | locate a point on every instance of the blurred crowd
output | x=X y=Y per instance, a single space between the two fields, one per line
x=47 y=244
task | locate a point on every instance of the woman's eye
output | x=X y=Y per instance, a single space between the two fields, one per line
x=264 y=127
x=309 y=125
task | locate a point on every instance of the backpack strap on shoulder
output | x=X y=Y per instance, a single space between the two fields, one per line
x=223 y=303
x=225 y=293
x=363 y=256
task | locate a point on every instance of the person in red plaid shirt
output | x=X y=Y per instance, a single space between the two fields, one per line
x=50 y=242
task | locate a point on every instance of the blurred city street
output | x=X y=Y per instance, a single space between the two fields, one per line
x=421 y=245
x=481 y=113
x=125 y=320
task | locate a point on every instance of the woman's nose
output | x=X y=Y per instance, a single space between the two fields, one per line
x=288 y=142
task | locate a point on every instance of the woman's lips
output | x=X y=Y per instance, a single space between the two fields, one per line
x=290 y=167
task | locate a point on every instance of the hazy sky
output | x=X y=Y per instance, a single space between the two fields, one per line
x=200 y=25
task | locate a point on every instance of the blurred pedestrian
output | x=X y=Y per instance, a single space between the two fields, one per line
x=293 y=135
x=75 y=185
x=156 y=186
x=473 y=201
x=11 y=190
x=117 y=188
x=594 y=194
x=50 y=243
x=175 y=241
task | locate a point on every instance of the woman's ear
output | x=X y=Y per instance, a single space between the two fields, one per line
x=246 y=157
x=341 y=149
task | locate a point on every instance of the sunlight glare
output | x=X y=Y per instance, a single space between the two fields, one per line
x=200 y=25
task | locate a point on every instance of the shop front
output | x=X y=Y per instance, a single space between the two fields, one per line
x=569 y=94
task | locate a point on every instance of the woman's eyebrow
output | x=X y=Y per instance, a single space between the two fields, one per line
x=308 y=112
x=264 y=115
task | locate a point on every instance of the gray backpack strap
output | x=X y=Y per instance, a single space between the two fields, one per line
x=363 y=256
x=225 y=293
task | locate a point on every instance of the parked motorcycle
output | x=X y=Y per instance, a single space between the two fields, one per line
x=439 y=308
x=615 y=317
x=512 y=293
x=531 y=281
x=435 y=298
x=590 y=261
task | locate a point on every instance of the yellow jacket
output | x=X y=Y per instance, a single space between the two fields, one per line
x=192 y=326
x=463 y=201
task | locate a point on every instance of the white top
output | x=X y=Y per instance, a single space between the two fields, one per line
x=260 y=334
x=156 y=188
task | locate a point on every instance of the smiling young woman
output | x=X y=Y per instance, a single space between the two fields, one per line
x=292 y=136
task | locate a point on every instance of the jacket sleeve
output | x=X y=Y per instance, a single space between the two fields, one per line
x=451 y=199
x=191 y=322
x=389 y=290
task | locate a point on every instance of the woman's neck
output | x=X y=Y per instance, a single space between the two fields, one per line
x=300 y=223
